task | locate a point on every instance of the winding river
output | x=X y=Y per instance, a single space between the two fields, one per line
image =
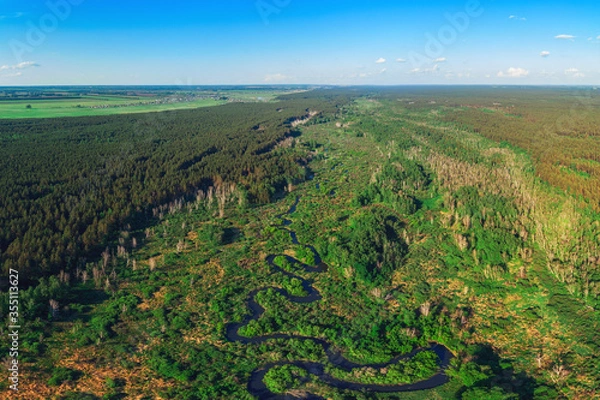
x=256 y=385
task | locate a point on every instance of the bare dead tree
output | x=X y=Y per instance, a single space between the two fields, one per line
x=559 y=373
x=425 y=308
x=538 y=360
x=64 y=277
x=152 y=264
x=97 y=275
x=54 y=307
x=105 y=258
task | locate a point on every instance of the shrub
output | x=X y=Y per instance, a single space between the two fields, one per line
x=282 y=378
x=61 y=375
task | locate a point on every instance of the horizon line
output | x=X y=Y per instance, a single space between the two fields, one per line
x=317 y=85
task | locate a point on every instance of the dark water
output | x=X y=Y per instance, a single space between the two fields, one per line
x=256 y=385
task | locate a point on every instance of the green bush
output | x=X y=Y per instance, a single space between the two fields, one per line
x=61 y=375
x=469 y=373
x=494 y=393
x=373 y=245
x=283 y=378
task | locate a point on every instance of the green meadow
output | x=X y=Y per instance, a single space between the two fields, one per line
x=82 y=107
x=78 y=105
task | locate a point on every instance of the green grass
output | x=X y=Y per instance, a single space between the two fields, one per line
x=572 y=170
x=80 y=107
x=54 y=108
x=254 y=95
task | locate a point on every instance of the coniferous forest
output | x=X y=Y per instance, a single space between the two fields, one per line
x=334 y=243
x=70 y=182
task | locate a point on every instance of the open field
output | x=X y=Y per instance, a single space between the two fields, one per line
x=79 y=108
x=77 y=105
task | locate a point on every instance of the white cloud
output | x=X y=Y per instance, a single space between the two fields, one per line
x=27 y=64
x=276 y=78
x=513 y=73
x=516 y=17
x=574 y=73
x=598 y=37
x=16 y=70
x=431 y=70
x=401 y=60
x=381 y=61
x=23 y=65
x=565 y=37
x=544 y=53
x=440 y=60
x=512 y=17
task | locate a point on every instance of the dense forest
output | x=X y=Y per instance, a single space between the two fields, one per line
x=559 y=127
x=67 y=184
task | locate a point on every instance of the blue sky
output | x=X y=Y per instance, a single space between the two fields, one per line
x=299 y=41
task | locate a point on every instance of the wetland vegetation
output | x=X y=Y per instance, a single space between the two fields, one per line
x=414 y=243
